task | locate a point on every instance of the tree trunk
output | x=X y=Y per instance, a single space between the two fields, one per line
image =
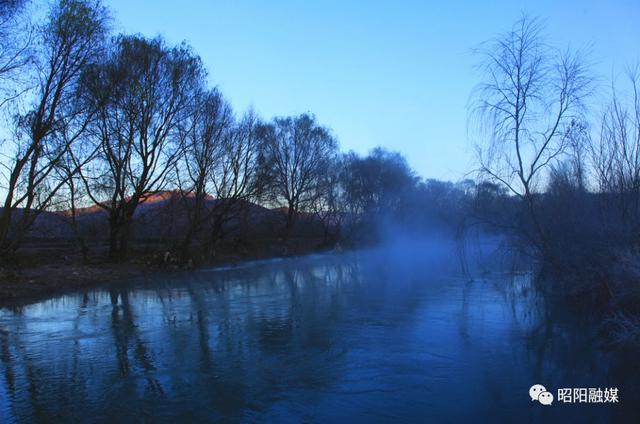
x=5 y=224
x=216 y=233
x=113 y=237
x=123 y=248
x=194 y=227
x=291 y=216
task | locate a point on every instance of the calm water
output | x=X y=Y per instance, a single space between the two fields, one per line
x=387 y=336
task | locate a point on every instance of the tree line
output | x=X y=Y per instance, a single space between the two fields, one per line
x=93 y=118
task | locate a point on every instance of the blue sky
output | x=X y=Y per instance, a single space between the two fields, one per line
x=396 y=74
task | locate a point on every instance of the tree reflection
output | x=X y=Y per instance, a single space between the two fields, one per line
x=246 y=344
x=127 y=338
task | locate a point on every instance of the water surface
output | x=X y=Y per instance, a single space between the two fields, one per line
x=379 y=336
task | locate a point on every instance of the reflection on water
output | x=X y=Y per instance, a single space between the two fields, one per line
x=359 y=337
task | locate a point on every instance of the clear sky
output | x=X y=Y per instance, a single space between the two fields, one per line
x=391 y=73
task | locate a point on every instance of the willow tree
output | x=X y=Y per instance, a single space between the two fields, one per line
x=529 y=98
x=201 y=139
x=70 y=39
x=142 y=91
x=297 y=151
x=234 y=179
x=16 y=33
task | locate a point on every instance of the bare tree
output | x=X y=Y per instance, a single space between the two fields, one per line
x=70 y=39
x=297 y=153
x=16 y=33
x=327 y=205
x=142 y=92
x=235 y=175
x=530 y=96
x=220 y=164
x=72 y=195
x=202 y=134
x=616 y=154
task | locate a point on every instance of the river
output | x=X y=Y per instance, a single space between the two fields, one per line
x=387 y=335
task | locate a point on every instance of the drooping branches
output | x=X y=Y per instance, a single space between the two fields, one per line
x=142 y=92
x=531 y=96
x=70 y=39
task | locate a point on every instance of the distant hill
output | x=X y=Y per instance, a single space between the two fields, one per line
x=47 y=225
x=162 y=216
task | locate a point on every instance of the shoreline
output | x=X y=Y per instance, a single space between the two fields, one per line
x=31 y=285
x=25 y=285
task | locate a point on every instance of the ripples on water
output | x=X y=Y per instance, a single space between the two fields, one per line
x=380 y=336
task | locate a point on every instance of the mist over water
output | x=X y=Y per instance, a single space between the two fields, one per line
x=392 y=334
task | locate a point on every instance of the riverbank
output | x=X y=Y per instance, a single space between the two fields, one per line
x=44 y=270
x=47 y=279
